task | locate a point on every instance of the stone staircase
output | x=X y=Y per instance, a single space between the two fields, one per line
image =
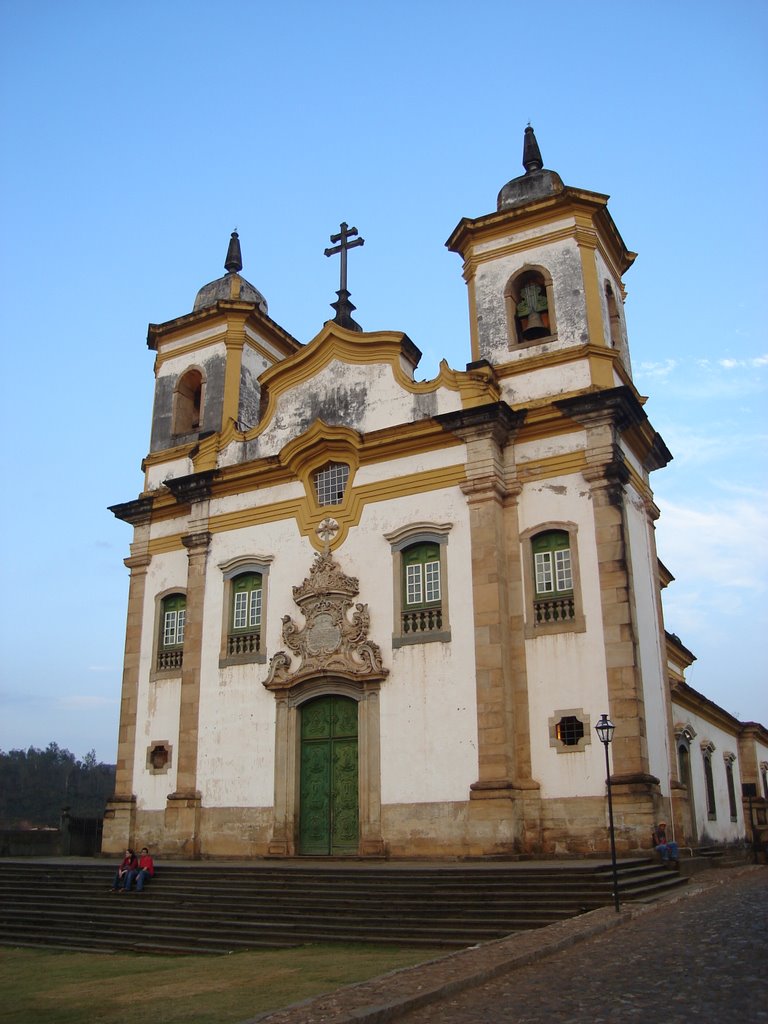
x=216 y=908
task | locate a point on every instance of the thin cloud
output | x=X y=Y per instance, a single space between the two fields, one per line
x=78 y=702
x=656 y=370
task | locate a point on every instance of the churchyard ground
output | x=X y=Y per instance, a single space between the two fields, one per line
x=51 y=987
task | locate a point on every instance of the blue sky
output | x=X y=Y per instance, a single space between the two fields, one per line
x=136 y=137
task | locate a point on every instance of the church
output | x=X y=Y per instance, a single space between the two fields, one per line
x=379 y=617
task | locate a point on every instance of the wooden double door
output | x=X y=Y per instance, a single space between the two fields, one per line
x=328 y=788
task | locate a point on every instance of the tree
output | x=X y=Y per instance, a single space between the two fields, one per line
x=36 y=784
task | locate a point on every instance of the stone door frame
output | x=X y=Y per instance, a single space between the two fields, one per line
x=285 y=835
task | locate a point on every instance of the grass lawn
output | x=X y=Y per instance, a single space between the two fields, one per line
x=45 y=987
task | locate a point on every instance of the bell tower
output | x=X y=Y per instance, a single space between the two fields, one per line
x=207 y=368
x=544 y=274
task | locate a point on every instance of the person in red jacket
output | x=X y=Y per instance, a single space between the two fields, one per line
x=144 y=870
x=128 y=864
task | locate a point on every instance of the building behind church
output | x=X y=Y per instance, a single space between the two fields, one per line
x=373 y=616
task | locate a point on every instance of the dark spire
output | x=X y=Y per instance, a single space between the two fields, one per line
x=234 y=261
x=531 y=153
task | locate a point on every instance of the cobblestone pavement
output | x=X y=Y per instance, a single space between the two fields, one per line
x=697 y=955
x=700 y=959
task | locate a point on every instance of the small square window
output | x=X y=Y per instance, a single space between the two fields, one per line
x=331 y=482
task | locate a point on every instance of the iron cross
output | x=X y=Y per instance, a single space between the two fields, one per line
x=344 y=244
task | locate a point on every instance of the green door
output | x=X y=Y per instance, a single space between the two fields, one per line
x=328 y=787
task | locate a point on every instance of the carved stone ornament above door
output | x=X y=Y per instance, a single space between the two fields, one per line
x=334 y=640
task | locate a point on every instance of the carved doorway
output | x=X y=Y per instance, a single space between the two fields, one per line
x=328 y=786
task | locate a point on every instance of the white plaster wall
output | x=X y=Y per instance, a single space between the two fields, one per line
x=547 y=447
x=566 y=670
x=563 y=262
x=428 y=718
x=421 y=462
x=604 y=274
x=157 y=708
x=193 y=339
x=515 y=238
x=182 y=362
x=651 y=653
x=365 y=397
x=722 y=829
x=257 y=499
x=275 y=354
x=428 y=702
x=237 y=714
x=157 y=475
x=545 y=381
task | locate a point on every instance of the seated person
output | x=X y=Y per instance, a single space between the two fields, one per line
x=127 y=866
x=144 y=870
x=666 y=848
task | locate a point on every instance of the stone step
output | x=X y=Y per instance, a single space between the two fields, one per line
x=215 y=908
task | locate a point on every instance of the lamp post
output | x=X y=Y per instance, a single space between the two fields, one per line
x=604 y=730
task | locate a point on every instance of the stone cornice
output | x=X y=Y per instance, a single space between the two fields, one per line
x=620 y=407
x=136 y=512
x=495 y=419
x=189 y=489
x=222 y=311
x=685 y=696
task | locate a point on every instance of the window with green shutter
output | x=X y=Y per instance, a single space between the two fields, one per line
x=422 y=593
x=170 y=648
x=553 y=577
x=244 y=634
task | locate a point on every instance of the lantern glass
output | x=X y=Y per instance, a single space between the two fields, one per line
x=604 y=729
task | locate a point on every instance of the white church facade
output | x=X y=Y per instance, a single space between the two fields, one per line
x=372 y=616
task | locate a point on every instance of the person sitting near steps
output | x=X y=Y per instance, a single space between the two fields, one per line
x=144 y=870
x=128 y=864
x=666 y=848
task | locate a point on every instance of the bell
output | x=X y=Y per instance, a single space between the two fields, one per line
x=534 y=327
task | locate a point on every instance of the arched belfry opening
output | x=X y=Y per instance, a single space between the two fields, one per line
x=530 y=306
x=188 y=402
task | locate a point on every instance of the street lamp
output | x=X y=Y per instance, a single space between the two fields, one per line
x=604 y=730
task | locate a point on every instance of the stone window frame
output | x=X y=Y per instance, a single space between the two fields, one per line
x=707 y=750
x=729 y=760
x=574 y=748
x=230 y=570
x=406 y=537
x=512 y=297
x=181 y=402
x=156 y=673
x=578 y=623
x=153 y=746
x=764 y=777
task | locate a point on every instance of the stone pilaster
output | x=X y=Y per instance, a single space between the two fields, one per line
x=197 y=545
x=503 y=747
x=119 y=817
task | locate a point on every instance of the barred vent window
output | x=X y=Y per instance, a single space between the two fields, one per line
x=569 y=730
x=331 y=482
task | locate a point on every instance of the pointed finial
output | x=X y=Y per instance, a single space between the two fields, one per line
x=531 y=153
x=234 y=261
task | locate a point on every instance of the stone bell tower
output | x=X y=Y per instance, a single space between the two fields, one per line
x=208 y=361
x=544 y=274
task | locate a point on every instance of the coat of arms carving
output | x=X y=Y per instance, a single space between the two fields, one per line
x=334 y=639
